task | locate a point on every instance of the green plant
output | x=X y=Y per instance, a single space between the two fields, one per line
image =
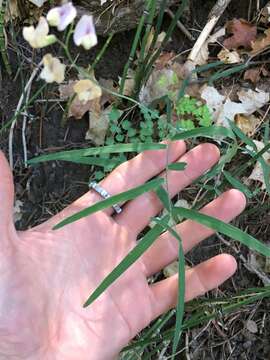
x=192 y=113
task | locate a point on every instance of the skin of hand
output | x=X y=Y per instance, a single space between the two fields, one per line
x=46 y=275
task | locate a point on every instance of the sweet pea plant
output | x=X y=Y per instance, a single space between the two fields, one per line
x=84 y=35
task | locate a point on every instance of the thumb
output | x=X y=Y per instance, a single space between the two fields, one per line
x=6 y=193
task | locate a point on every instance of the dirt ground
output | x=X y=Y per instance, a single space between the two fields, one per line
x=47 y=188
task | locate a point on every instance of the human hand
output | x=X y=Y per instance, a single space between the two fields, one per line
x=47 y=275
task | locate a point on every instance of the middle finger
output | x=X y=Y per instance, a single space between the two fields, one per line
x=137 y=213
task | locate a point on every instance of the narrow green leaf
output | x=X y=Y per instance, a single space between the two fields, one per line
x=98 y=161
x=238 y=132
x=226 y=229
x=119 y=198
x=237 y=184
x=70 y=155
x=130 y=259
x=164 y=197
x=181 y=285
x=180 y=166
x=211 y=132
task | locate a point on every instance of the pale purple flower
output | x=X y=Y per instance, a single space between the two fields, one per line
x=85 y=33
x=62 y=16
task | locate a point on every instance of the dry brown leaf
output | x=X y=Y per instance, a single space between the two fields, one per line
x=106 y=95
x=261 y=43
x=247 y=124
x=164 y=60
x=98 y=126
x=160 y=83
x=229 y=57
x=257 y=173
x=243 y=33
x=77 y=108
x=253 y=75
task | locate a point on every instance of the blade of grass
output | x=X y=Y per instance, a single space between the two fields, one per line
x=237 y=184
x=70 y=155
x=226 y=73
x=198 y=70
x=141 y=60
x=226 y=229
x=181 y=285
x=167 y=37
x=98 y=161
x=180 y=166
x=134 y=47
x=130 y=259
x=259 y=294
x=119 y=198
x=211 y=132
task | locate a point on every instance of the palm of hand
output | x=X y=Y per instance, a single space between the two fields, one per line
x=47 y=275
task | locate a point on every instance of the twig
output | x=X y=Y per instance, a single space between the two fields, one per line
x=181 y=26
x=213 y=18
x=25 y=117
x=11 y=132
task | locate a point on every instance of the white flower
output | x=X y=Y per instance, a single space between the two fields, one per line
x=38 y=37
x=62 y=16
x=87 y=90
x=85 y=33
x=53 y=69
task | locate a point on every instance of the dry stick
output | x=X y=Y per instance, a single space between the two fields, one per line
x=11 y=132
x=213 y=18
x=25 y=117
x=181 y=26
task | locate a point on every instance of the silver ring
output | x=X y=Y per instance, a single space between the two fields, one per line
x=104 y=194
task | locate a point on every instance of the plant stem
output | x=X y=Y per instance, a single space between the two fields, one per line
x=101 y=53
x=133 y=48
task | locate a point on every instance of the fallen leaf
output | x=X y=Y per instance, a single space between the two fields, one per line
x=253 y=75
x=17 y=213
x=223 y=109
x=171 y=269
x=160 y=83
x=265 y=14
x=164 y=60
x=253 y=100
x=98 y=126
x=261 y=43
x=106 y=95
x=243 y=33
x=257 y=172
x=247 y=124
x=252 y=326
x=77 y=108
x=87 y=90
x=229 y=57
